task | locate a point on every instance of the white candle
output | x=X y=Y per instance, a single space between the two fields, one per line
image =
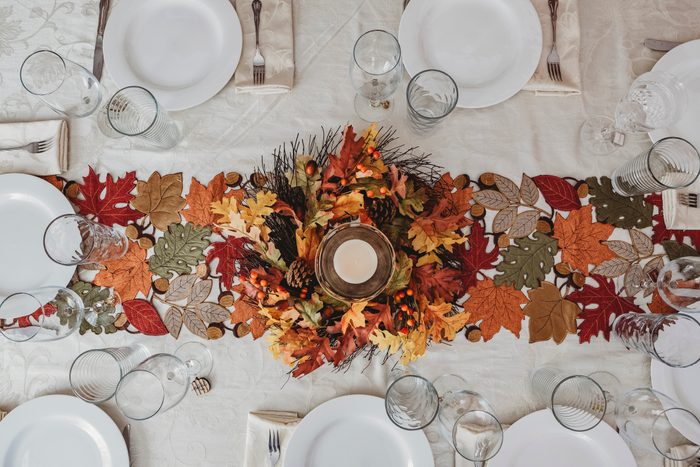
x=355 y=261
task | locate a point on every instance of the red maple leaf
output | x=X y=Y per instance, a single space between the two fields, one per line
x=144 y=317
x=26 y=321
x=228 y=252
x=600 y=305
x=312 y=356
x=475 y=255
x=108 y=201
x=445 y=283
x=661 y=232
x=345 y=164
x=558 y=193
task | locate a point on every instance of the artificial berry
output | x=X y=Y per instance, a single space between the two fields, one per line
x=261 y=295
x=410 y=322
x=254 y=275
x=403 y=330
x=280 y=289
x=264 y=283
x=409 y=292
x=311 y=167
x=397 y=298
x=242 y=278
x=404 y=307
x=361 y=167
x=370 y=193
x=383 y=190
x=376 y=154
x=402 y=294
x=370 y=149
x=302 y=295
x=343 y=181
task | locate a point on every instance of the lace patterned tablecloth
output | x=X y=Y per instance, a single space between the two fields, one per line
x=230 y=132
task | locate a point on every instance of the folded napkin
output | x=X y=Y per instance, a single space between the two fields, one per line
x=680 y=452
x=258 y=432
x=678 y=216
x=51 y=162
x=276 y=45
x=568 y=45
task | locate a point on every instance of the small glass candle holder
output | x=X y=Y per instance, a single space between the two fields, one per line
x=354 y=262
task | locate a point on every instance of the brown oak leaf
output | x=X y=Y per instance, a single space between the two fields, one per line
x=160 y=198
x=580 y=239
x=551 y=316
x=496 y=306
x=127 y=275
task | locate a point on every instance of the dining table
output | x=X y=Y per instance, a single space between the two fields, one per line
x=528 y=133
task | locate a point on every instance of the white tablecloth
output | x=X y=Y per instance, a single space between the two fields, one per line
x=230 y=132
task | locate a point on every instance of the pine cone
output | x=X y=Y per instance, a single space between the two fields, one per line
x=300 y=275
x=382 y=211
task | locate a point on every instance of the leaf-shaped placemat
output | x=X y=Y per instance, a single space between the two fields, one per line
x=626 y=212
x=551 y=316
x=524 y=224
x=144 y=317
x=529 y=192
x=173 y=321
x=527 y=262
x=491 y=199
x=179 y=250
x=676 y=250
x=195 y=325
x=622 y=249
x=557 y=192
x=213 y=312
x=161 y=199
x=508 y=188
x=642 y=243
x=200 y=292
x=180 y=287
x=614 y=267
x=504 y=219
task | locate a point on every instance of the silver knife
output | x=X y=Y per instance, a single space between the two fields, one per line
x=98 y=58
x=660 y=46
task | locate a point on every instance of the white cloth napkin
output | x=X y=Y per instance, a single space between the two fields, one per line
x=678 y=216
x=51 y=162
x=276 y=46
x=258 y=432
x=568 y=46
x=462 y=462
x=680 y=452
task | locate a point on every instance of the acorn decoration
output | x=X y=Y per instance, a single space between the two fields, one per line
x=382 y=210
x=300 y=274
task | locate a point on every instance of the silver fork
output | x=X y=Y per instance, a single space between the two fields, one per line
x=688 y=199
x=553 y=57
x=35 y=147
x=273 y=444
x=258 y=60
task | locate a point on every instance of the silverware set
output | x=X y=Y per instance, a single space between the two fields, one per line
x=688 y=199
x=553 y=58
x=258 y=59
x=36 y=147
x=273 y=445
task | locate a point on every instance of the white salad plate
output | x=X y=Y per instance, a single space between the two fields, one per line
x=27 y=206
x=355 y=431
x=538 y=440
x=183 y=51
x=681 y=385
x=490 y=48
x=60 y=431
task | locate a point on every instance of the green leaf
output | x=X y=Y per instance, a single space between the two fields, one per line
x=626 y=212
x=527 y=262
x=676 y=250
x=309 y=310
x=402 y=274
x=179 y=249
x=100 y=312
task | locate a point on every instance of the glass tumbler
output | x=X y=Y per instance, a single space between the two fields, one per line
x=679 y=284
x=672 y=339
x=133 y=111
x=577 y=401
x=670 y=163
x=45 y=314
x=431 y=96
x=95 y=374
x=72 y=239
x=66 y=87
x=646 y=419
x=375 y=72
x=411 y=401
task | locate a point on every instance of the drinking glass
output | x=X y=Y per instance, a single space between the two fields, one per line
x=133 y=111
x=669 y=163
x=431 y=95
x=161 y=381
x=66 y=87
x=673 y=339
x=679 y=284
x=654 y=100
x=577 y=401
x=467 y=421
x=644 y=418
x=72 y=239
x=45 y=314
x=95 y=374
x=411 y=401
x=375 y=72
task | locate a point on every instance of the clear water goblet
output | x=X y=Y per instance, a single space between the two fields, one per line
x=654 y=100
x=411 y=401
x=678 y=284
x=72 y=239
x=669 y=163
x=431 y=96
x=578 y=402
x=133 y=111
x=375 y=72
x=42 y=315
x=95 y=374
x=66 y=87
x=645 y=418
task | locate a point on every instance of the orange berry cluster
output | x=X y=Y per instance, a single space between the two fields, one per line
x=403 y=299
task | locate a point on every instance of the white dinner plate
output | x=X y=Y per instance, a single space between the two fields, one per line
x=183 y=51
x=27 y=206
x=60 y=431
x=538 y=440
x=355 y=431
x=490 y=48
x=684 y=63
x=681 y=385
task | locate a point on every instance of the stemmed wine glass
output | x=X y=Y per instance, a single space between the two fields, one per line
x=375 y=71
x=678 y=284
x=655 y=100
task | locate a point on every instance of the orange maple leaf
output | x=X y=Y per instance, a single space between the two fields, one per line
x=459 y=200
x=444 y=323
x=496 y=306
x=200 y=198
x=127 y=275
x=580 y=239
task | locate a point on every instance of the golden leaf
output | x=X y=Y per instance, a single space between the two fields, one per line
x=348 y=205
x=496 y=307
x=307 y=243
x=444 y=324
x=161 y=199
x=127 y=275
x=415 y=345
x=551 y=316
x=580 y=239
x=385 y=340
x=353 y=316
x=256 y=209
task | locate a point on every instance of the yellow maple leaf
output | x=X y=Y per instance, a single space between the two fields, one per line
x=385 y=340
x=224 y=208
x=370 y=135
x=353 y=316
x=348 y=205
x=424 y=241
x=256 y=209
x=444 y=323
x=414 y=345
